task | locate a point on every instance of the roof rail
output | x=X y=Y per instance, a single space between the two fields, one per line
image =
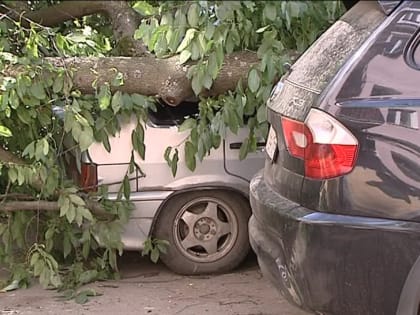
x=388 y=6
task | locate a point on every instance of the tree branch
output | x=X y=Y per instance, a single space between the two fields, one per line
x=123 y=18
x=18 y=6
x=43 y=205
x=7 y=157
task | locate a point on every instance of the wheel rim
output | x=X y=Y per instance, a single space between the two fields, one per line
x=205 y=229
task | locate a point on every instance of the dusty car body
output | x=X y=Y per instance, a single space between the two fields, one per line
x=336 y=209
x=203 y=214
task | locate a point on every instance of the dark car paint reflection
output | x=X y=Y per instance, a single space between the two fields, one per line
x=347 y=245
x=371 y=102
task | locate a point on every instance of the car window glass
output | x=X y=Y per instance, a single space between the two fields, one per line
x=404 y=118
x=416 y=56
x=167 y=115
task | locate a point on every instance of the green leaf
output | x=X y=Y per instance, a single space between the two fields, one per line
x=45 y=146
x=220 y=55
x=294 y=8
x=154 y=255
x=216 y=140
x=190 y=155
x=68 y=120
x=137 y=139
x=66 y=245
x=207 y=81
x=184 y=56
x=86 y=138
x=88 y=276
x=13 y=174
x=12 y=286
x=118 y=80
x=38 y=91
x=49 y=233
x=117 y=101
x=58 y=84
x=270 y=11
x=65 y=205
x=162 y=245
x=243 y=151
x=104 y=97
x=189 y=36
x=158 y=33
x=161 y=47
x=229 y=44
x=187 y=124
x=138 y=99
x=196 y=84
x=5 y=132
x=166 y=155
x=13 y=99
x=21 y=177
x=209 y=30
x=144 y=8
x=193 y=15
x=76 y=200
x=38 y=267
x=86 y=249
x=71 y=213
x=262 y=29
x=126 y=187
x=174 y=163
x=34 y=258
x=81 y=298
x=262 y=114
x=212 y=66
x=254 y=80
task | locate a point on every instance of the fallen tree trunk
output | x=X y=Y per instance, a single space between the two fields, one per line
x=163 y=78
x=143 y=73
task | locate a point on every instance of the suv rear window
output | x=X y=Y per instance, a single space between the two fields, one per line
x=312 y=72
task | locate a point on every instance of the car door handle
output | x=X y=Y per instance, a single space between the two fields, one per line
x=237 y=145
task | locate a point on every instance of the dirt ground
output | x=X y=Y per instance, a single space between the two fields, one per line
x=146 y=288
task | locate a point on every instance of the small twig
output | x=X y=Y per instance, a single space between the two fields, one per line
x=6 y=192
x=21 y=16
x=238 y=302
x=17 y=196
x=186 y=307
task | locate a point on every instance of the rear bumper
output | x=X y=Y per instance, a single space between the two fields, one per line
x=331 y=264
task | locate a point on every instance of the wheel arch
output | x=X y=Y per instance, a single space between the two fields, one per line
x=241 y=193
x=410 y=293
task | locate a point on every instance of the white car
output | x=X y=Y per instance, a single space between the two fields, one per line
x=203 y=214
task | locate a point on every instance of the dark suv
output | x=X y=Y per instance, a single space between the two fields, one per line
x=336 y=209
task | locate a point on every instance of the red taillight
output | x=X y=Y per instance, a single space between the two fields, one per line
x=89 y=177
x=326 y=146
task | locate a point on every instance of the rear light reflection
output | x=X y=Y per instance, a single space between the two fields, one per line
x=89 y=177
x=327 y=147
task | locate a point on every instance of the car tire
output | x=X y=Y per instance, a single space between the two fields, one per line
x=207 y=231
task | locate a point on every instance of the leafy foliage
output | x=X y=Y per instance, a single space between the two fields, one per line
x=45 y=121
x=154 y=247
x=42 y=119
x=206 y=31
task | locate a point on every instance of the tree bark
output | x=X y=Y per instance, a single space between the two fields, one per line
x=7 y=157
x=43 y=205
x=163 y=78
x=143 y=74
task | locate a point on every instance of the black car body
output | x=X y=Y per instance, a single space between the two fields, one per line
x=336 y=209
